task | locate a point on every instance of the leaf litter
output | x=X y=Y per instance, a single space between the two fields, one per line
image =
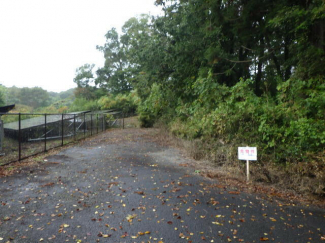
x=123 y=204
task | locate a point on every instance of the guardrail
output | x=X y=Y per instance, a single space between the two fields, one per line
x=23 y=135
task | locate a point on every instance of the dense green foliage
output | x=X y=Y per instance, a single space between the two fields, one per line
x=233 y=71
x=241 y=72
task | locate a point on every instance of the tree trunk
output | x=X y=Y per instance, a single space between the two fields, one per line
x=274 y=58
x=258 y=77
x=287 y=73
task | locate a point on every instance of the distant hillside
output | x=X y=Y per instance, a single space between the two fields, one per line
x=35 y=97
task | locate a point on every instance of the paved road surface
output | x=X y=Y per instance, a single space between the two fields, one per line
x=123 y=187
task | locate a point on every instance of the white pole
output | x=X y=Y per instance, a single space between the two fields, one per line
x=247 y=168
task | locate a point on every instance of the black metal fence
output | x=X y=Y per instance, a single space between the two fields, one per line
x=24 y=135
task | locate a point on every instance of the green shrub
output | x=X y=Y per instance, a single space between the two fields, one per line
x=81 y=104
x=286 y=127
x=152 y=108
x=127 y=103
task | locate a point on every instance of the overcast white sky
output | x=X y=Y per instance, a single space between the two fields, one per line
x=43 y=42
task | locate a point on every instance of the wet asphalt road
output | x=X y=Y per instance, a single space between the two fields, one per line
x=108 y=189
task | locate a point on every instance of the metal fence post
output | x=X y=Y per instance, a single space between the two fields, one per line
x=84 y=125
x=103 y=122
x=91 y=124
x=97 y=122
x=19 y=136
x=45 y=131
x=123 y=119
x=74 y=127
x=62 y=130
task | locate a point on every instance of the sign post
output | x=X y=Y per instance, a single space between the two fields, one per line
x=248 y=154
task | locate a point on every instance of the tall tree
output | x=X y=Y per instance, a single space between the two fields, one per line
x=261 y=40
x=145 y=49
x=85 y=81
x=84 y=75
x=116 y=74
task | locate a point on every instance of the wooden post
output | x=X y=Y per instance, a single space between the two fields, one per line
x=247 y=168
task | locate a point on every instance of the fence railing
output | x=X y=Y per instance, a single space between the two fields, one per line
x=23 y=135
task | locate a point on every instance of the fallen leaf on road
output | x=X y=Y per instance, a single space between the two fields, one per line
x=234 y=192
x=139 y=192
x=184 y=165
x=264 y=239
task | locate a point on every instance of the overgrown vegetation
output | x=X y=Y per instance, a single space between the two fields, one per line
x=222 y=74
x=245 y=73
x=227 y=74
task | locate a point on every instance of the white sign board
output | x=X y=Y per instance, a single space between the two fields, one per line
x=247 y=153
